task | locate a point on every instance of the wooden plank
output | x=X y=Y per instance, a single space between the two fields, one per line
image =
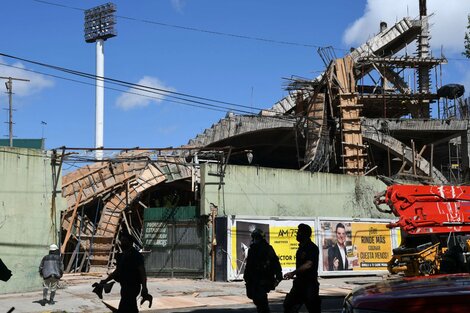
x=72 y=258
x=69 y=229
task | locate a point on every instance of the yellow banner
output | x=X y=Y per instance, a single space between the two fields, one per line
x=280 y=234
x=283 y=239
x=372 y=246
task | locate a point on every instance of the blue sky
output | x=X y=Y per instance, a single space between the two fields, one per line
x=226 y=68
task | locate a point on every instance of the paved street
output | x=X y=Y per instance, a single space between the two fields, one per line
x=330 y=304
x=175 y=295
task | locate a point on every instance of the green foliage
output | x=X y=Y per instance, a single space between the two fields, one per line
x=466 y=53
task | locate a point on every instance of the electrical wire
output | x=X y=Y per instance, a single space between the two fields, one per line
x=194 y=29
x=223 y=109
x=218 y=33
x=159 y=91
x=162 y=92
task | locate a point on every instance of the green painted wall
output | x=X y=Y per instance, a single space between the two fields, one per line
x=24 y=143
x=255 y=191
x=26 y=223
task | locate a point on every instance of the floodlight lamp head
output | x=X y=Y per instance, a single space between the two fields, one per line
x=100 y=22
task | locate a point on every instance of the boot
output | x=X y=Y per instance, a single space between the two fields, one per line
x=44 y=297
x=51 y=300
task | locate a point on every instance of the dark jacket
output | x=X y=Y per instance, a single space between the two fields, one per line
x=262 y=266
x=127 y=268
x=307 y=251
x=333 y=252
x=51 y=265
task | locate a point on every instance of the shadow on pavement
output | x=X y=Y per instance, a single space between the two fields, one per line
x=330 y=304
x=40 y=302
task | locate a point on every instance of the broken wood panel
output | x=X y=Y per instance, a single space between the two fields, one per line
x=150 y=177
x=99 y=177
x=316 y=120
x=69 y=229
x=81 y=173
x=112 y=212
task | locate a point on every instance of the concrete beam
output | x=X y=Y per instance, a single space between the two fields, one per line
x=418 y=125
x=396 y=148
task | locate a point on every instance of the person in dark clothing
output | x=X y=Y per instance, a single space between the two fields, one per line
x=263 y=271
x=305 y=288
x=337 y=255
x=130 y=273
x=51 y=270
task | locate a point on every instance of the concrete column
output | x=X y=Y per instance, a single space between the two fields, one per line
x=465 y=152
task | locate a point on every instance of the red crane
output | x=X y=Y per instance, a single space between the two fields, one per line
x=436 y=225
x=429 y=209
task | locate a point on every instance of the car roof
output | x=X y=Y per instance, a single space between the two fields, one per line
x=407 y=294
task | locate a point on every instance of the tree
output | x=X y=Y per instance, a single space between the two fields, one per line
x=466 y=53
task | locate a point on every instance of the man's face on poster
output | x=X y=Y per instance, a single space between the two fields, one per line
x=340 y=236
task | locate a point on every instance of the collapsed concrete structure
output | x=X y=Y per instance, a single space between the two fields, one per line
x=369 y=113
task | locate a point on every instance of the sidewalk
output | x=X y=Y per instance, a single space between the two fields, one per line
x=75 y=294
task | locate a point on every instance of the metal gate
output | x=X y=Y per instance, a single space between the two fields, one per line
x=174 y=248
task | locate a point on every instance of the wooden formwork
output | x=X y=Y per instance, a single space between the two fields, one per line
x=316 y=126
x=350 y=115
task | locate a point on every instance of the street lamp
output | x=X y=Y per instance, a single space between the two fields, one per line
x=99 y=26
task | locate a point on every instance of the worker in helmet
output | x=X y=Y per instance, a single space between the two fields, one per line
x=51 y=270
x=263 y=271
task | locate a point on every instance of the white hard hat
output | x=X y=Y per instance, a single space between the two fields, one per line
x=53 y=247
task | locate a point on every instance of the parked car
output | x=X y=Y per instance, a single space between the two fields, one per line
x=440 y=293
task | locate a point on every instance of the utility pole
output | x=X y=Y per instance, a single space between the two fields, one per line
x=9 y=86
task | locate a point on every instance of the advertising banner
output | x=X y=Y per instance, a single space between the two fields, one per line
x=278 y=233
x=355 y=246
x=347 y=246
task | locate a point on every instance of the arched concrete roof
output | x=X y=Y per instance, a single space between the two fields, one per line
x=236 y=125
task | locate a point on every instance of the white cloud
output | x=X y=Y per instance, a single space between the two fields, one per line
x=448 y=24
x=37 y=82
x=178 y=5
x=140 y=98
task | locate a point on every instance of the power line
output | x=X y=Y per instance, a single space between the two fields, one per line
x=162 y=92
x=159 y=91
x=121 y=82
x=194 y=29
x=207 y=106
x=267 y=40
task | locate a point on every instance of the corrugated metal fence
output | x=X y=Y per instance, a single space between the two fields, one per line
x=174 y=242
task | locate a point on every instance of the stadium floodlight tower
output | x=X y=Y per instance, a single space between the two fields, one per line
x=99 y=26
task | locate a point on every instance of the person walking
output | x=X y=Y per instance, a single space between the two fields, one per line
x=130 y=273
x=51 y=270
x=263 y=271
x=305 y=287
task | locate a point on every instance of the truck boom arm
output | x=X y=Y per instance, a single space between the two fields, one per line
x=426 y=209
